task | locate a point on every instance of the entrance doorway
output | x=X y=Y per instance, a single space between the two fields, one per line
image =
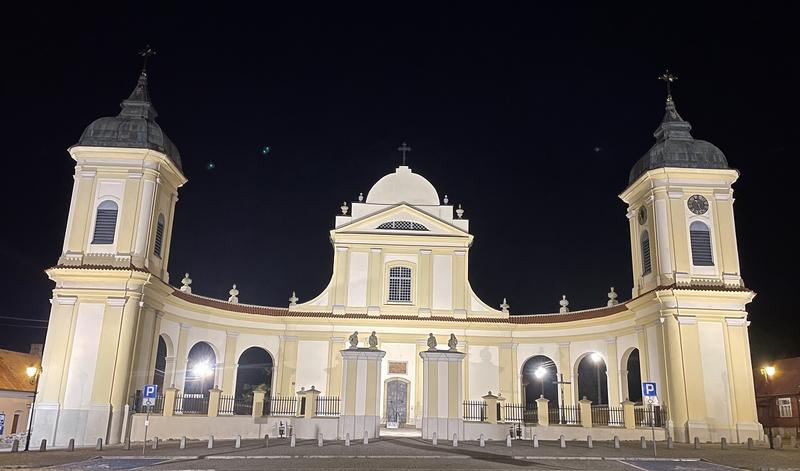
x=397 y=401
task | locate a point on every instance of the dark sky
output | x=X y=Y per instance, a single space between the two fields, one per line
x=505 y=107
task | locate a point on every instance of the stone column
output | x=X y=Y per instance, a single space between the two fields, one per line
x=612 y=371
x=491 y=408
x=259 y=396
x=374 y=282
x=629 y=414
x=460 y=290
x=425 y=288
x=181 y=357
x=418 y=384
x=508 y=371
x=586 y=412
x=169 y=401
x=443 y=394
x=741 y=370
x=230 y=364
x=287 y=365
x=213 y=401
x=360 y=396
x=644 y=354
x=334 y=386
x=542 y=411
x=693 y=378
x=341 y=264
x=677 y=406
x=311 y=396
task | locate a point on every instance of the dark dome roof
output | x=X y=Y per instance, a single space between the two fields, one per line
x=675 y=147
x=134 y=127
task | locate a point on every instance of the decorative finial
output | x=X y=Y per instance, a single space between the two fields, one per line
x=293 y=300
x=360 y=197
x=344 y=208
x=353 y=340
x=186 y=282
x=146 y=53
x=612 y=298
x=504 y=307
x=234 y=298
x=452 y=343
x=564 y=304
x=373 y=341
x=460 y=211
x=446 y=200
x=431 y=343
x=668 y=78
x=404 y=148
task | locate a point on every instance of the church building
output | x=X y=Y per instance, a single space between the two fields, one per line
x=399 y=286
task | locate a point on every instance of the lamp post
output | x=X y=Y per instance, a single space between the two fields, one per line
x=540 y=373
x=33 y=373
x=768 y=372
x=596 y=358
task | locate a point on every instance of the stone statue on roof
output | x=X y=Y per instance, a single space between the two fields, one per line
x=452 y=343
x=353 y=340
x=373 y=341
x=431 y=343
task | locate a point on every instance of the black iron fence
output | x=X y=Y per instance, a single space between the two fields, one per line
x=231 y=405
x=191 y=404
x=605 y=415
x=647 y=417
x=328 y=406
x=278 y=405
x=136 y=403
x=513 y=413
x=531 y=414
x=564 y=415
x=474 y=411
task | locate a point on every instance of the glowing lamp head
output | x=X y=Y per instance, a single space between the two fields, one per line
x=540 y=372
x=596 y=357
x=769 y=370
x=31 y=371
x=201 y=369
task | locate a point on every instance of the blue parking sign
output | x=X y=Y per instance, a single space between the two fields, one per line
x=649 y=389
x=150 y=391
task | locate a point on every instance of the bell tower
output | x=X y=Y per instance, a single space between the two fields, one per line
x=116 y=249
x=689 y=296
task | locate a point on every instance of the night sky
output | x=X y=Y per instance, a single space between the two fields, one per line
x=530 y=117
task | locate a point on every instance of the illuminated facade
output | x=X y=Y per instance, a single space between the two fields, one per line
x=400 y=269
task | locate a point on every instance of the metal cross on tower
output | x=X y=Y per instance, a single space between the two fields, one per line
x=668 y=78
x=404 y=148
x=146 y=53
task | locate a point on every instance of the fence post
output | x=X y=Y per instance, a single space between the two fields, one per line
x=311 y=402
x=491 y=408
x=586 y=412
x=259 y=396
x=169 y=401
x=629 y=414
x=542 y=410
x=213 y=401
x=302 y=404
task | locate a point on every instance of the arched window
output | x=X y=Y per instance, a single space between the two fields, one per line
x=253 y=370
x=700 y=237
x=592 y=379
x=161 y=363
x=200 y=369
x=159 y=236
x=400 y=285
x=647 y=264
x=105 y=223
x=538 y=374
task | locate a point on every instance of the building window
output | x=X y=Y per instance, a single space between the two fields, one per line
x=646 y=262
x=400 y=285
x=700 y=237
x=403 y=226
x=105 y=223
x=785 y=406
x=159 y=236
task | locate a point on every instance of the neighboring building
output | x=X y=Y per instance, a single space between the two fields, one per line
x=778 y=396
x=16 y=388
x=400 y=268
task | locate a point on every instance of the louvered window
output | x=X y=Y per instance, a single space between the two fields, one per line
x=105 y=224
x=159 y=236
x=701 y=245
x=400 y=285
x=403 y=226
x=646 y=262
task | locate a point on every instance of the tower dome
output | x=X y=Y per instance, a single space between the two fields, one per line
x=403 y=186
x=675 y=147
x=134 y=127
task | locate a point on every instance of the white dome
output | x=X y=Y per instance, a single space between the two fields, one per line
x=403 y=186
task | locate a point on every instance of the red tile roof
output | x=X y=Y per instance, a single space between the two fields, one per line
x=12 y=370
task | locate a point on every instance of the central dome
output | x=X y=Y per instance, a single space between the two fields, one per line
x=403 y=186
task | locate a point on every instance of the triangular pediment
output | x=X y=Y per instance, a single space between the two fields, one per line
x=402 y=219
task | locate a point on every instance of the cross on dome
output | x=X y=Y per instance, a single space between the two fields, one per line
x=404 y=148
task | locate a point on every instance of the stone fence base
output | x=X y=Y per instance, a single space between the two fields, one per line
x=229 y=427
x=473 y=431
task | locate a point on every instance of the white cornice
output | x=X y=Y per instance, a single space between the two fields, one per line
x=686 y=320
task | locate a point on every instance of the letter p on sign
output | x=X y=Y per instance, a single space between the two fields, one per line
x=648 y=389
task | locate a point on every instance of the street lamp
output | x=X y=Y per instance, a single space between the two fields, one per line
x=768 y=372
x=596 y=358
x=540 y=373
x=202 y=370
x=33 y=373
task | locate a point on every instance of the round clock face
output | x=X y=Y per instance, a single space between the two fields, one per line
x=697 y=204
x=642 y=215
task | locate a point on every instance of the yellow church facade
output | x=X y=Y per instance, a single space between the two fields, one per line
x=400 y=270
